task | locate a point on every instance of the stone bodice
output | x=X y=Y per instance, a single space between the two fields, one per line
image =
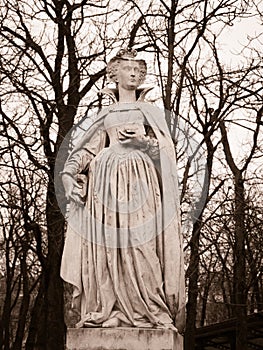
x=126 y=118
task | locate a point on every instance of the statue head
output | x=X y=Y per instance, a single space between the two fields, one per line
x=125 y=55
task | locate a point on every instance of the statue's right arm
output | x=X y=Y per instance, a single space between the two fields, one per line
x=77 y=163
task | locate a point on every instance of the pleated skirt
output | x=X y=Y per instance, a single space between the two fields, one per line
x=122 y=242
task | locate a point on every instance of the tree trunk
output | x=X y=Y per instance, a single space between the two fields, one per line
x=193 y=269
x=239 y=283
x=205 y=299
x=193 y=273
x=36 y=327
x=240 y=265
x=5 y=334
x=24 y=304
x=54 y=298
x=47 y=330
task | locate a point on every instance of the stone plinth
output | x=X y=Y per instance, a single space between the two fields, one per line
x=123 y=339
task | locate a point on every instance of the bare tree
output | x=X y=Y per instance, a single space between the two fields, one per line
x=49 y=64
x=52 y=59
x=238 y=90
x=194 y=92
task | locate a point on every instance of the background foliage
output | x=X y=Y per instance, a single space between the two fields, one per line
x=52 y=64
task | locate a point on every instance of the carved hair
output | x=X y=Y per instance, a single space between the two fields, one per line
x=125 y=55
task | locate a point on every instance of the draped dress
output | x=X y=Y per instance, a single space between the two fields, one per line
x=119 y=229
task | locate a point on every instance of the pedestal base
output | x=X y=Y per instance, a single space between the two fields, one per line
x=123 y=339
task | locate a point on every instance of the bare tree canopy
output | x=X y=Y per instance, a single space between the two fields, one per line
x=52 y=64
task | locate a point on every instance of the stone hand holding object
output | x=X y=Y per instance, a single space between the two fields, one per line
x=74 y=188
x=130 y=137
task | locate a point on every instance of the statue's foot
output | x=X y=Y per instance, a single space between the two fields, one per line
x=167 y=326
x=90 y=325
x=113 y=322
x=171 y=326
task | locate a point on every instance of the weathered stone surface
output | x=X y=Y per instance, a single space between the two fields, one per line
x=123 y=249
x=123 y=339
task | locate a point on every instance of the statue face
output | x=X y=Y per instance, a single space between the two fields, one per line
x=128 y=75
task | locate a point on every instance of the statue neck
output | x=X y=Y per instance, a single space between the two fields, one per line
x=126 y=95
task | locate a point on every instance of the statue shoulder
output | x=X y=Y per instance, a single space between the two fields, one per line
x=109 y=92
x=154 y=110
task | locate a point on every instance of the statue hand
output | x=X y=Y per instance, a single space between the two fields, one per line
x=69 y=184
x=130 y=137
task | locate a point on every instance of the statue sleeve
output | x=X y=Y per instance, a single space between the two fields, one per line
x=78 y=162
x=152 y=144
x=81 y=156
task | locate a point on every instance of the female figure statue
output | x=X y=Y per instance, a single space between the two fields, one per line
x=123 y=250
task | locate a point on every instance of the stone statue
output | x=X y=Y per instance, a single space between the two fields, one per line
x=123 y=250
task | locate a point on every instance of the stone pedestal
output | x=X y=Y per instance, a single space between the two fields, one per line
x=123 y=339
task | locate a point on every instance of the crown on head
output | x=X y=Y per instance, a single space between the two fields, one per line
x=128 y=53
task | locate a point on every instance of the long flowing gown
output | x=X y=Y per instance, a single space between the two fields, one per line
x=119 y=230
